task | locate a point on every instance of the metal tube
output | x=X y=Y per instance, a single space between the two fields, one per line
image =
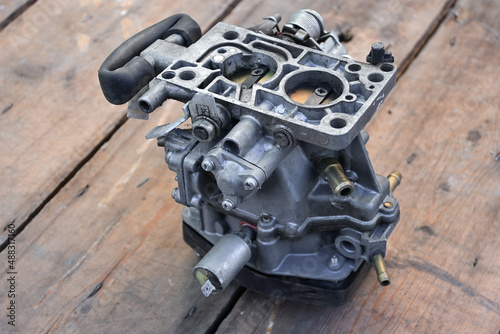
x=394 y=180
x=333 y=173
x=154 y=97
x=382 y=274
x=242 y=136
x=272 y=158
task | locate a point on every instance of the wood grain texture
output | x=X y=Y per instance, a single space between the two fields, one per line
x=52 y=113
x=106 y=255
x=440 y=128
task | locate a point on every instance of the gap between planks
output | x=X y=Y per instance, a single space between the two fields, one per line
x=426 y=37
x=16 y=13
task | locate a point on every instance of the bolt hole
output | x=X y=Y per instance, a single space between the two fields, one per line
x=338 y=123
x=349 y=97
x=371 y=87
x=376 y=77
x=222 y=51
x=187 y=75
x=348 y=246
x=168 y=75
x=231 y=35
x=354 y=67
x=387 y=67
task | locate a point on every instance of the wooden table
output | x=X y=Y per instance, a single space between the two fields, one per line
x=99 y=246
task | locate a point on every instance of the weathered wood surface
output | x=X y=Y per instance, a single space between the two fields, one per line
x=106 y=252
x=11 y=9
x=52 y=114
x=401 y=25
x=106 y=255
x=441 y=129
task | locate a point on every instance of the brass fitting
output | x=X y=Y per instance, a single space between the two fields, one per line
x=382 y=274
x=333 y=173
x=394 y=180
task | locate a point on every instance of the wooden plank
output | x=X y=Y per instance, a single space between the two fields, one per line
x=401 y=25
x=440 y=128
x=106 y=254
x=11 y=9
x=52 y=113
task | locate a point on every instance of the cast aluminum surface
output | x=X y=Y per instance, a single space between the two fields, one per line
x=205 y=66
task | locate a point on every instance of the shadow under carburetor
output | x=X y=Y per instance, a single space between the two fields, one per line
x=278 y=189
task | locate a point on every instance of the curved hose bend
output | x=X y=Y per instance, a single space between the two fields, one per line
x=124 y=73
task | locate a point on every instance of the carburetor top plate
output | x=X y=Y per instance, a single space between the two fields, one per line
x=217 y=64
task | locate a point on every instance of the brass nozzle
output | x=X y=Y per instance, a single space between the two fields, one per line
x=331 y=170
x=382 y=274
x=394 y=180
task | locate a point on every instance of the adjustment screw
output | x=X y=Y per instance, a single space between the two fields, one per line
x=250 y=183
x=207 y=165
x=227 y=205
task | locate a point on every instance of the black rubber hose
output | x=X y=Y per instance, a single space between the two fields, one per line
x=123 y=74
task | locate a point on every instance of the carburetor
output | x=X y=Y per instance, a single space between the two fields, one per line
x=278 y=188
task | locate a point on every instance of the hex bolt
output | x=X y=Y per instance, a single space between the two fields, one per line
x=250 y=183
x=207 y=165
x=204 y=130
x=394 y=180
x=201 y=133
x=228 y=205
x=283 y=137
x=334 y=259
